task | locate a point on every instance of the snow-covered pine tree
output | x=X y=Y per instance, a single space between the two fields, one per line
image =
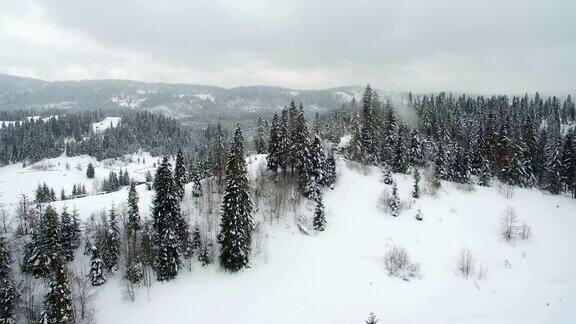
x=8 y=293
x=180 y=176
x=236 y=226
x=569 y=162
x=369 y=128
x=386 y=174
x=274 y=146
x=389 y=137
x=330 y=170
x=66 y=235
x=134 y=223
x=400 y=161
x=260 y=137
x=285 y=143
x=90 y=171
x=440 y=165
x=217 y=152
x=149 y=180
x=44 y=249
x=552 y=174
x=485 y=173
x=166 y=222
x=97 y=267
x=204 y=255
x=317 y=161
x=196 y=182
x=394 y=202
x=58 y=301
x=301 y=154
x=111 y=248
x=415 y=153
x=319 y=221
x=372 y=319
x=416 y=191
x=419 y=216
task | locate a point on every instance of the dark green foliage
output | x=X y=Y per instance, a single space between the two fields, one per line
x=44 y=249
x=168 y=224
x=274 y=146
x=8 y=292
x=58 y=301
x=330 y=170
x=44 y=194
x=394 y=202
x=90 y=171
x=68 y=235
x=416 y=190
x=97 y=274
x=109 y=246
x=260 y=137
x=180 y=176
x=319 y=221
x=236 y=226
x=369 y=129
x=400 y=160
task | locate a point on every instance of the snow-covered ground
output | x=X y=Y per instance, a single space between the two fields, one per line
x=338 y=276
x=105 y=124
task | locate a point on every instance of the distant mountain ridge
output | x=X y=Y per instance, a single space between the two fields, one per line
x=175 y=100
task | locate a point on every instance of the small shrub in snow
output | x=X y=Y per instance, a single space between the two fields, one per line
x=465 y=263
x=506 y=190
x=398 y=264
x=510 y=230
x=419 y=215
x=372 y=319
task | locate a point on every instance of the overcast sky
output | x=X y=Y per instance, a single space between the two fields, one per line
x=421 y=45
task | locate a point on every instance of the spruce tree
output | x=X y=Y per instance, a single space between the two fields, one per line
x=111 y=247
x=416 y=191
x=44 y=249
x=317 y=161
x=389 y=137
x=372 y=319
x=8 y=293
x=180 y=176
x=260 y=137
x=196 y=182
x=569 y=162
x=285 y=143
x=274 y=146
x=394 y=202
x=319 y=216
x=96 y=275
x=67 y=235
x=167 y=225
x=58 y=300
x=369 y=128
x=236 y=226
x=330 y=170
x=485 y=173
x=400 y=161
x=386 y=174
x=415 y=152
x=553 y=181
x=134 y=223
x=90 y=171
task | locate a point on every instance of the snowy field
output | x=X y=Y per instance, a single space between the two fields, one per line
x=105 y=124
x=338 y=276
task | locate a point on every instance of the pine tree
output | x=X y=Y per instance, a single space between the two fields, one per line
x=330 y=170
x=415 y=152
x=416 y=191
x=553 y=182
x=368 y=131
x=569 y=162
x=62 y=194
x=58 y=300
x=66 y=235
x=218 y=154
x=260 y=137
x=419 y=215
x=97 y=266
x=285 y=143
x=196 y=182
x=274 y=146
x=167 y=224
x=236 y=226
x=301 y=154
x=204 y=256
x=386 y=174
x=317 y=161
x=372 y=319
x=485 y=173
x=389 y=137
x=400 y=162
x=44 y=249
x=90 y=171
x=8 y=293
x=394 y=203
x=440 y=169
x=111 y=247
x=319 y=216
x=149 y=180
x=134 y=223
x=180 y=176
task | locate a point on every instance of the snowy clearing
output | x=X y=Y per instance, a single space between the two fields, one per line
x=105 y=124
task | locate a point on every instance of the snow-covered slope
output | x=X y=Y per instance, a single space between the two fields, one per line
x=338 y=276
x=105 y=124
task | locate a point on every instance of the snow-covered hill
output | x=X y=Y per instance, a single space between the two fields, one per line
x=338 y=276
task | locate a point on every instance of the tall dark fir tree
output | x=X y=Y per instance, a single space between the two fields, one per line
x=180 y=175
x=236 y=225
x=8 y=292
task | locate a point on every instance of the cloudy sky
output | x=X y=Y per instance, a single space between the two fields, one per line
x=422 y=45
